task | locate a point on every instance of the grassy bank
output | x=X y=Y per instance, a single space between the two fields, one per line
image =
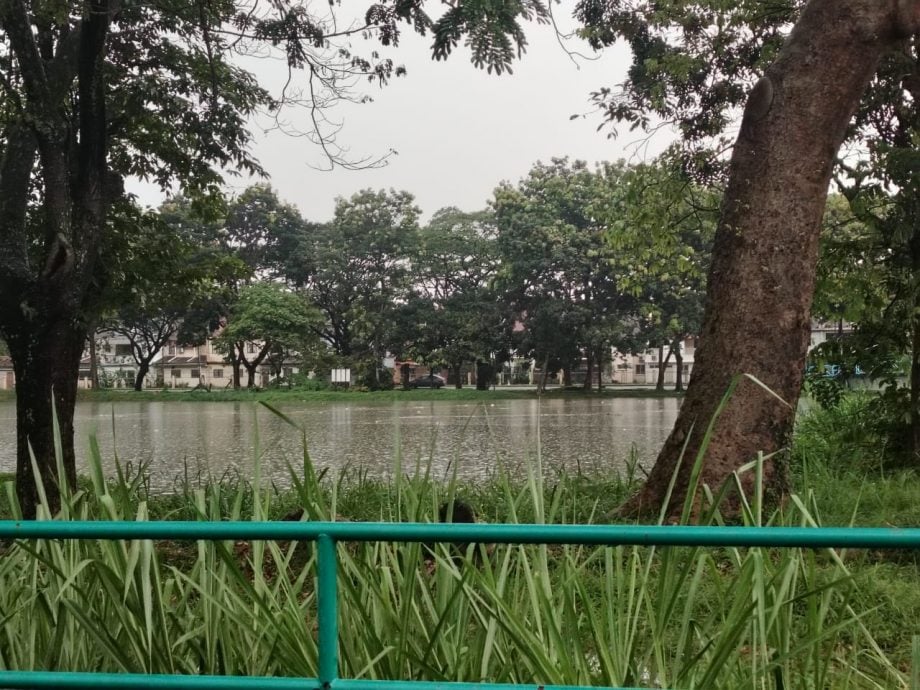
x=324 y=396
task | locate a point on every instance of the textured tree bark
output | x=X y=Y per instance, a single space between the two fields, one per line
x=762 y=275
x=46 y=386
x=47 y=305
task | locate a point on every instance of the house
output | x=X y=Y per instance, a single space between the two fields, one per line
x=189 y=366
x=115 y=365
x=822 y=331
x=642 y=368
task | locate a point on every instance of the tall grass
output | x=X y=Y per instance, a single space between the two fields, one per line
x=633 y=616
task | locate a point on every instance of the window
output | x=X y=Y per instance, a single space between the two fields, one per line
x=176 y=373
x=251 y=348
x=217 y=374
x=686 y=369
x=640 y=370
x=195 y=373
x=171 y=349
x=123 y=350
x=181 y=350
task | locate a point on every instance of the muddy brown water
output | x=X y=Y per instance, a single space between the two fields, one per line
x=199 y=439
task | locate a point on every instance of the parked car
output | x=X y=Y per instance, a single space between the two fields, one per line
x=429 y=381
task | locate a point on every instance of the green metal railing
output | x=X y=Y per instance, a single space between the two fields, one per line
x=327 y=534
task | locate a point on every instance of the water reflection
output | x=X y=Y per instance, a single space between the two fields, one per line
x=176 y=439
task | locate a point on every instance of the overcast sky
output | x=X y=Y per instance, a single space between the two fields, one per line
x=457 y=131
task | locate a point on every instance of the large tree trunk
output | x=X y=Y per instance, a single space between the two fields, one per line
x=45 y=304
x=762 y=275
x=46 y=360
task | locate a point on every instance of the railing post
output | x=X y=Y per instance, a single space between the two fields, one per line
x=327 y=610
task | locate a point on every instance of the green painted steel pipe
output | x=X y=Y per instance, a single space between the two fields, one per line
x=28 y=680
x=327 y=611
x=129 y=681
x=804 y=537
x=343 y=684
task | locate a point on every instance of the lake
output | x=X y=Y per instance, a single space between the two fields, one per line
x=200 y=439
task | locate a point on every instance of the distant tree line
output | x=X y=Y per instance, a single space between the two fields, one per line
x=561 y=267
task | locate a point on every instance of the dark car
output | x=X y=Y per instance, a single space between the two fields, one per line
x=430 y=381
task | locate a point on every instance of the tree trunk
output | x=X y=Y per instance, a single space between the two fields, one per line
x=142 y=369
x=679 y=363
x=541 y=388
x=458 y=382
x=46 y=361
x=662 y=366
x=566 y=377
x=404 y=376
x=250 y=374
x=762 y=275
x=915 y=351
x=235 y=358
x=915 y=383
x=484 y=374
x=589 y=372
x=93 y=361
x=600 y=370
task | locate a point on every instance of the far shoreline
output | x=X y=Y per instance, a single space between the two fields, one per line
x=295 y=395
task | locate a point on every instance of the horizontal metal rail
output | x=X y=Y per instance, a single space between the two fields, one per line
x=599 y=535
x=327 y=534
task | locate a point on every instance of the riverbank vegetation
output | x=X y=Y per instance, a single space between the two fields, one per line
x=640 y=617
x=328 y=394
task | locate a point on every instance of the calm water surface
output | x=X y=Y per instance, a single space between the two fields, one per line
x=203 y=439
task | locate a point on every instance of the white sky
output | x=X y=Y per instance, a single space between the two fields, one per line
x=457 y=130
